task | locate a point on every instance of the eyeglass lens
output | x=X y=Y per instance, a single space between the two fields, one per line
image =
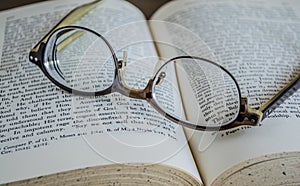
x=81 y=60
x=208 y=92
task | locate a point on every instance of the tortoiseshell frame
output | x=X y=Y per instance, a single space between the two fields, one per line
x=246 y=116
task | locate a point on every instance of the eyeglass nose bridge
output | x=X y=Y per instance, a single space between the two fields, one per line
x=121 y=87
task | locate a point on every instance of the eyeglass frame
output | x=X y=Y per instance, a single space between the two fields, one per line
x=246 y=116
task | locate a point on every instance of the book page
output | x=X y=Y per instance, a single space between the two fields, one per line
x=45 y=130
x=256 y=41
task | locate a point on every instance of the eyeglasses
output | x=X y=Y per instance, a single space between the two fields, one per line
x=81 y=61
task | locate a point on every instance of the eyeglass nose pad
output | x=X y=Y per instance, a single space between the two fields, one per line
x=121 y=65
x=124 y=60
x=160 y=78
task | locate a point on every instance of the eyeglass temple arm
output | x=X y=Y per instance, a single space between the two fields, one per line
x=70 y=18
x=253 y=117
x=279 y=98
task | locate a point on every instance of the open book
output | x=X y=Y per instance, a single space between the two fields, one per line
x=50 y=136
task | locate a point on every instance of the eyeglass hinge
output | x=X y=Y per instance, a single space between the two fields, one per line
x=35 y=56
x=248 y=116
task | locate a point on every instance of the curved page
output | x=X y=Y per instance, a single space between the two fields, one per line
x=45 y=130
x=257 y=41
